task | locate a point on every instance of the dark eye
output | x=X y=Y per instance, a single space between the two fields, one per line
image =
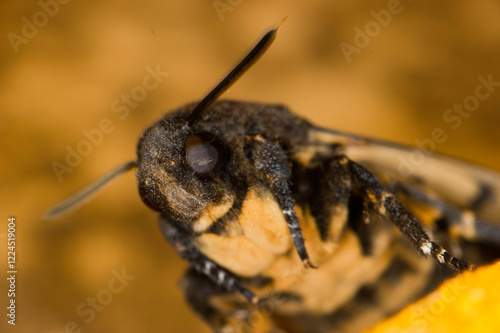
x=205 y=154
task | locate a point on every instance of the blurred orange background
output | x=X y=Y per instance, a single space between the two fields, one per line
x=65 y=76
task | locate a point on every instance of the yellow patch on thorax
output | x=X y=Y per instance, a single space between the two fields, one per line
x=263 y=222
x=236 y=253
x=264 y=236
x=210 y=215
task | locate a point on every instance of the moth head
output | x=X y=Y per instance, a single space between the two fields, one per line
x=181 y=170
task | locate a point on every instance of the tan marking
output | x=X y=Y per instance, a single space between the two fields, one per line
x=426 y=247
x=381 y=206
x=440 y=256
x=263 y=223
x=238 y=315
x=465 y=228
x=259 y=138
x=317 y=250
x=469 y=224
x=337 y=225
x=372 y=197
x=210 y=215
x=381 y=209
x=304 y=156
x=343 y=160
x=236 y=253
x=380 y=203
x=386 y=195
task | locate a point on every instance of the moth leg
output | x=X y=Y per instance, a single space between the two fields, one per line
x=461 y=223
x=331 y=204
x=335 y=206
x=387 y=205
x=198 y=291
x=273 y=168
x=215 y=273
x=223 y=310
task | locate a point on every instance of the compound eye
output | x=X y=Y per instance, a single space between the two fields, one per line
x=205 y=154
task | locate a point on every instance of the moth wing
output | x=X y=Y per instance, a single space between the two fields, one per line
x=459 y=183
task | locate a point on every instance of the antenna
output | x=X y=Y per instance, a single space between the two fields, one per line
x=86 y=193
x=233 y=76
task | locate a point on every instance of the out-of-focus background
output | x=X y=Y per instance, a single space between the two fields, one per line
x=65 y=67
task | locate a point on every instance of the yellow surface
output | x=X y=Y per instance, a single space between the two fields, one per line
x=467 y=303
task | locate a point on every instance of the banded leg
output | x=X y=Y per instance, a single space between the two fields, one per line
x=388 y=206
x=215 y=273
x=272 y=166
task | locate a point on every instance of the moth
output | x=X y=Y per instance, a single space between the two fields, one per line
x=290 y=227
